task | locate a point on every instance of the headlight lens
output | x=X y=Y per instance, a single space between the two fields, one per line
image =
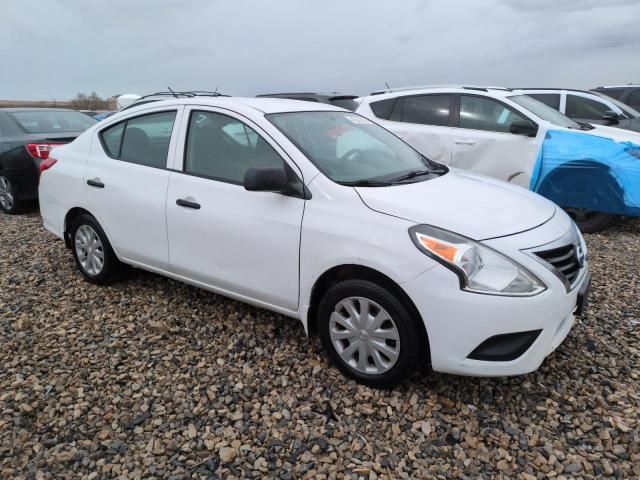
x=481 y=269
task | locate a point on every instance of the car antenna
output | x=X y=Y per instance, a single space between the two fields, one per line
x=388 y=87
x=173 y=93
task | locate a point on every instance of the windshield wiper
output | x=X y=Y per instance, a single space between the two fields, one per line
x=366 y=183
x=413 y=174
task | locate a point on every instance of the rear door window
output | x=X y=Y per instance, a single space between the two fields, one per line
x=550 y=99
x=426 y=109
x=142 y=140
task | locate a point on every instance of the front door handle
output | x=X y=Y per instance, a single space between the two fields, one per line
x=464 y=142
x=182 y=202
x=95 y=183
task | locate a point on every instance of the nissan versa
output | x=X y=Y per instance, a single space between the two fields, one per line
x=322 y=215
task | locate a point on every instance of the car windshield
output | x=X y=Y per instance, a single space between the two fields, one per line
x=543 y=111
x=53 y=121
x=631 y=112
x=352 y=150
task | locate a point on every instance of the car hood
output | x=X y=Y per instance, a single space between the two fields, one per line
x=618 y=134
x=472 y=205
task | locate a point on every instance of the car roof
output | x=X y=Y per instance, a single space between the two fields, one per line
x=262 y=104
x=321 y=96
x=36 y=109
x=393 y=93
x=629 y=85
x=552 y=89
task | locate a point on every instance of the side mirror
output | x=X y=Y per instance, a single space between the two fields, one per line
x=611 y=117
x=523 y=127
x=266 y=179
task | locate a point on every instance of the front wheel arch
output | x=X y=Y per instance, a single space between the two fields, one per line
x=360 y=272
x=585 y=184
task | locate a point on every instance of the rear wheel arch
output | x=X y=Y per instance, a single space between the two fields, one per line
x=359 y=272
x=69 y=220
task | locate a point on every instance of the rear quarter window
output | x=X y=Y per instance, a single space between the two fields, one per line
x=383 y=108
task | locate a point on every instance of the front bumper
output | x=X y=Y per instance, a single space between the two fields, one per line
x=458 y=322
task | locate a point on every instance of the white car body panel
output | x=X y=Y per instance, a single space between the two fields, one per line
x=505 y=156
x=475 y=195
x=269 y=249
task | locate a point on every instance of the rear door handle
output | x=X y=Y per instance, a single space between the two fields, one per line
x=187 y=204
x=464 y=142
x=95 y=183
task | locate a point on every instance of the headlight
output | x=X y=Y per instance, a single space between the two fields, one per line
x=481 y=269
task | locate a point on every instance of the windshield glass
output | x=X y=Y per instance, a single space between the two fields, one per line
x=349 y=148
x=53 y=121
x=543 y=111
x=631 y=112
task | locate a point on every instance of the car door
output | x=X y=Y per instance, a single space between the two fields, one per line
x=220 y=235
x=126 y=181
x=423 y=121
x=589 y=110
x=483 y=141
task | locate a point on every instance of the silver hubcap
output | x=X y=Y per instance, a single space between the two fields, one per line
x=364 y=335
x=6 y=194
x=89 y=250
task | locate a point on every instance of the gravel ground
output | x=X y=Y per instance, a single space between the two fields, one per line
x=153 y=378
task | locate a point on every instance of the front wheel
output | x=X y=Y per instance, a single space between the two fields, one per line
x=589 y=221
x=369 y=334
x=93 y=253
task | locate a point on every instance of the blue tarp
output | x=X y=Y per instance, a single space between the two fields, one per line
x=578 y=170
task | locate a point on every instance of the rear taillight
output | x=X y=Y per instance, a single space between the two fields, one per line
x=47 y=164
x=41 y=149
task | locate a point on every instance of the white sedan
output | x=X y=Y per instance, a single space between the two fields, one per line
x=322 y=215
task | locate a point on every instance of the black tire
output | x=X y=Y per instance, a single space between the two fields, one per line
x=15 y=205
x=589 y=221
x=413 y=350
x=112 y=269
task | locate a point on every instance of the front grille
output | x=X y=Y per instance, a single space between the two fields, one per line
x=565 y=260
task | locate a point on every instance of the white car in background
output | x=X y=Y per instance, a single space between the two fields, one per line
x=320 y=214
x=510 y=136
x=588 y=107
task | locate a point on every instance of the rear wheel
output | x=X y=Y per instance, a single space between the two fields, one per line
x=8 y=201
x=369 y=333
x=93 y=253
x=589 y=221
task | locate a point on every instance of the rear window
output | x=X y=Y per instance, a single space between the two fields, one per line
x=53 y=121
x=7 y=127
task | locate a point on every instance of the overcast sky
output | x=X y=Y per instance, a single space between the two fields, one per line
x=57 y=48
